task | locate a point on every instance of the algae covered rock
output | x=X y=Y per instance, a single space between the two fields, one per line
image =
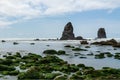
x=50 y=51
x=60 y=52
x=78 y=49
x=100 y=56
x=32 y=73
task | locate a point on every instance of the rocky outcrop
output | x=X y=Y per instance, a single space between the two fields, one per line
x=79 y=38
x=68 y=32
x=101 y=33
x=84 y=42
x=112 y=42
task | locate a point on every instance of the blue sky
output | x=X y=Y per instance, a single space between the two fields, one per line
x=47 y=18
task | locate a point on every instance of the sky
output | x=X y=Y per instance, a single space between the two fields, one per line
x=47 y=18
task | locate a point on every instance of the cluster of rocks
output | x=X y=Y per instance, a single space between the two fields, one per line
x=112 y=42
x=69 y=35
x=108 y=42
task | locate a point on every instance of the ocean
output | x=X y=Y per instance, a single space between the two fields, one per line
x=24 y=46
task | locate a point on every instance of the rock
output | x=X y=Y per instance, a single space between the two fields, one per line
x=78 y=49
x=68 y=32
x=36 y=39
x=79 y=38
x=111 y=42
x=15 y=43
x=51 y=51
x=100 y=56
x=116 y=45
x=84 y=42
x=61 y=52
x=87 y=46
x=3 y=41
x=101 y=33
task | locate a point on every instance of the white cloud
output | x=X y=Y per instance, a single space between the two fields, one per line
x=16 y=10
x=5 y=23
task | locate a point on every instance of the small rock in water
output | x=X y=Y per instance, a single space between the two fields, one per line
x=84 y=42
x=4 y=55
x=83 y=57
x=9 y=53
x=87 y=46
x=15 y=43
x=100 y=56
x=3 y=41
x=32 y=43
x=48 y=45
x=115 y=49
x=91 y=54
x=36 y=39
x=79 y=49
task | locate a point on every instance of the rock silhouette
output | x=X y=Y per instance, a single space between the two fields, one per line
x=68 y=32
x=101 y=33
x=79 y=38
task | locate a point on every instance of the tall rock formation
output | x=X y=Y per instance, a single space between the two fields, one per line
x=101 y=33
x=68 y=32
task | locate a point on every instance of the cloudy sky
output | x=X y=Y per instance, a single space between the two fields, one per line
x=47 y=18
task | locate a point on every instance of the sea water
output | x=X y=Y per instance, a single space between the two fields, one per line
x=24 y=47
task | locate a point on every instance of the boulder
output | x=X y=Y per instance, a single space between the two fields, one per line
x=68 y=32
x=101 y=33
x=84 y=42
x=79 y=38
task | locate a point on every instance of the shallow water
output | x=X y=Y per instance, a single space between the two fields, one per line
x=40 y=46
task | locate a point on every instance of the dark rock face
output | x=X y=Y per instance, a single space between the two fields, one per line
x=101 y=33
x=84 y=42
x=79 y=38
x=68 y=32
x=112 y=42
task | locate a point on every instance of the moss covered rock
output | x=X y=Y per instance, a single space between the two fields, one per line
x=61 y=52
x=78 y=49
x=100 y=56
x=50 y=52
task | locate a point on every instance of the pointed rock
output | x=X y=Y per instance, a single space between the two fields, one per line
x=68 y=32
x=101 y=33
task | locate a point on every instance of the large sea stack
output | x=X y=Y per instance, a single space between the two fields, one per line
x=101 y=33
x=68 y=32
